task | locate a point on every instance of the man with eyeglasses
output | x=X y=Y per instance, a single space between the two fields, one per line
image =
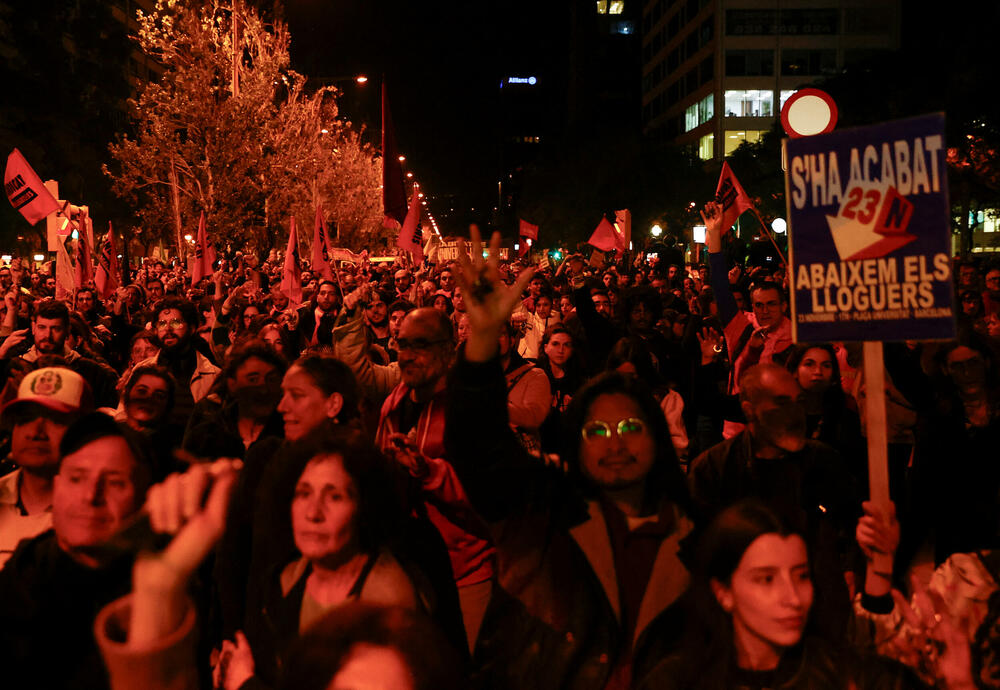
x=587 y=559
x=411 y=429
x=760 y=336
x=175 y=323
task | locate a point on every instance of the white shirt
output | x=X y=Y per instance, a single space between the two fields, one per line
x=14 y=525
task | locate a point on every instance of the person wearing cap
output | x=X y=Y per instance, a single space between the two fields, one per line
x=54 y=584
x=48 y=400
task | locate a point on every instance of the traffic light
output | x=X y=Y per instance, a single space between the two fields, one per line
x=556 y=255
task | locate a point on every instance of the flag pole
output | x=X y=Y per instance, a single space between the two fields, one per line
x=767 y=231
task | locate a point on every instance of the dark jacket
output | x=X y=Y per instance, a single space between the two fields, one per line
x=554 y=621
x=213 y=430
x=307 y=325
x=48 y=603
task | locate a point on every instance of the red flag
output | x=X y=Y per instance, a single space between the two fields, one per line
x=201 y=266
x=528 y=230
x=65 y=267
x=84 y=263
x=409 y=237
x=108 y=273
x=393 y=184
x=291 y=277
x=25 y=190
x=321 y=247
x=731 y=197
x=604 y=238
x=623 y=228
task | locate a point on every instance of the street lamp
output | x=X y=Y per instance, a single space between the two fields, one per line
x=402 y=159
x=779 y=226
x=361 y=79
x=656 y=230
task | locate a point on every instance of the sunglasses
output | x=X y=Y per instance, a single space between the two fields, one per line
x=627 y=428
x=173 y=323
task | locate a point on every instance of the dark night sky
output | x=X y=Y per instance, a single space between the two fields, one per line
x=443 y=62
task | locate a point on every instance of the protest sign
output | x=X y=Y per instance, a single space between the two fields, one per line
x=869 y=233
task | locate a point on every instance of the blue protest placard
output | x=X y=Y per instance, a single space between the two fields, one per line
x=869 y=233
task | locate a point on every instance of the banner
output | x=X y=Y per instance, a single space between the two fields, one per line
x=528 y=230
x=730 y=196
x=108 y=272
x=25 y=190
x=291 y=275
x=869 y=233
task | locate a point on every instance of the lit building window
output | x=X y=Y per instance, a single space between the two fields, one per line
x=616 y=6
x=784 y=96
x=749 y=103
x=735 y=138
x=602 y=6
x=699 y=113
x=706 y=147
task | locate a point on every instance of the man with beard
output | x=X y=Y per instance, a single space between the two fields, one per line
x=175 y=323
x=48 y=400
x=49 y=329
x=397 y=312
x=377 y=317
x=771 y=460
x=315 y=324
x=242 y=409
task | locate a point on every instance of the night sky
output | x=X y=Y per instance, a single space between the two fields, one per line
x=443 y=62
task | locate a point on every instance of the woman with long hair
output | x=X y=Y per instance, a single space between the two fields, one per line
x=560 y=361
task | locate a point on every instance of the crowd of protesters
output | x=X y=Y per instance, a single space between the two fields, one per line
x=487 y=474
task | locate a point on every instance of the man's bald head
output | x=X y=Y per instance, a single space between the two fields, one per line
x=762 y=379
x=434 y=322
x=771 y=401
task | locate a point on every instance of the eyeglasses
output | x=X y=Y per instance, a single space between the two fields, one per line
x=771 y=304
x=627 y=428
x=417 y=344
x=173 y=323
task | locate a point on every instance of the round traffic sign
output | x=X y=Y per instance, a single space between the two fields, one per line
x=808 y=112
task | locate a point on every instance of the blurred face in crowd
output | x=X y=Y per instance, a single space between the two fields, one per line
x=271 y=335
x=993 y=325
x=427 y=288
x=672 y=272
x=279 y=300
x=565 y=306
x=768 y=306
x=775 y=413
x=304 y=405
x=602 y=304
x=463 y=328
x=50 y=284
x=324 y=511
x=768 y=596
x=543 y=306
x=815 y=371
x=248 y=315
x=36 y=279
x=49 y=335
x=559 y=349
x=458 y=300
x=257 y=387
x=146 y=403
x=447 y=280
x=84 y=301
x=641 y=318
x=395 y=322
x=326 y=298
x=35 y=438
x=377 y=311
x=967 y=276
x=6 y=280
x=94 y=492
x=609 y=280
x=966 y=368
x=172 y=330
x=970 y=304
x=441 y=303
x=535 y=287
x=143 y=348
x=993 y=280
x=154 y=288
x=617 y=450
x=424 y=350
x=504 y=342
x=403 y=280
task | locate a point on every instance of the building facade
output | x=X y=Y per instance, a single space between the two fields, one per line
x=717 y=72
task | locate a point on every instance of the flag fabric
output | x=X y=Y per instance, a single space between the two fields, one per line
x=291 y=276
x=604 y=237
x=623 y=228
x=393 y=182
x=525 y=246
x=108 y=274
x=25 y=190
x=84 y=272
x=597 y=259
x=65 y=267
x=731 y=197
x=321 y=247
x=201 y=267
x=528 y=230
x=409 y=236
x=431 y=248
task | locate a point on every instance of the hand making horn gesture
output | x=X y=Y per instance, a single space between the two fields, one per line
x=488 y=302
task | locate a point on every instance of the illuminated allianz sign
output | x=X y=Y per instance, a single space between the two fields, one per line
x=531 y=81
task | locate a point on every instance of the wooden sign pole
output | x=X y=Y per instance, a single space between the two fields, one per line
x=878 y=439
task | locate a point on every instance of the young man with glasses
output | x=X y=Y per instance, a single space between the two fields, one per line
x=588 y=564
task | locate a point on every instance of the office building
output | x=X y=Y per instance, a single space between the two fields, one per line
x=717 y=72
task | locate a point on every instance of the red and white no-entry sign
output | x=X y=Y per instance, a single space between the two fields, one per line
x=808 y=112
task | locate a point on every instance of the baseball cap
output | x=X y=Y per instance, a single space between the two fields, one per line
x=56 y=388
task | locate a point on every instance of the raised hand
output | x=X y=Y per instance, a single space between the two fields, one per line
x=488 y=302
x=710 y=342
x=711 y=216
